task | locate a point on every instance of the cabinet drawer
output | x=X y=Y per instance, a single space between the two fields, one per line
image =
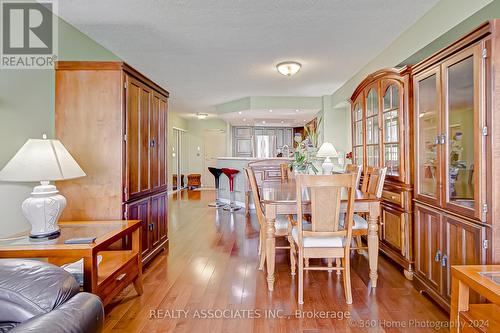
x=394 y=197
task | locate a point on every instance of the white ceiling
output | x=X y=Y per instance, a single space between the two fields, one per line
x=207 y=52
x=270 y=117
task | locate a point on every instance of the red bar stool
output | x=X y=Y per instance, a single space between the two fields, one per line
x=230 y=173
x=216 y=172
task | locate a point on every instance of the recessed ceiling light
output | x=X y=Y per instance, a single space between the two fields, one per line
x=239 y=112
x=244 y=119
x=288 y=68
x=282 y=122
x=202 y=115
x=304 y=120
x=263 y=121
x=270 y=110
x=297 y=110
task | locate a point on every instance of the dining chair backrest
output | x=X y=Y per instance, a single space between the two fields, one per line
x=284 y=171
x=373 y=180
x=325 y=194
x=354 y=168
x=267 y=170
x=255 y=196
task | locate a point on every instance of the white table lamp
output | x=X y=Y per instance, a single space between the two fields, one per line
x=327 y=150
x=42 y=161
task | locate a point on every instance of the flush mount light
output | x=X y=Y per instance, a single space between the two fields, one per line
x=202 y=115
x=288 y=68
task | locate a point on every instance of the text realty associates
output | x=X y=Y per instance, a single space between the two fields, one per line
x=244 y=314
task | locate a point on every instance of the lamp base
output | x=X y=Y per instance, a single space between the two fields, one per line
x=327 y=166
x=48 y=236
x=43 y=209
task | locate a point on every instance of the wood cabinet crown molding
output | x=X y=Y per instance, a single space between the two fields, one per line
x=109 y=65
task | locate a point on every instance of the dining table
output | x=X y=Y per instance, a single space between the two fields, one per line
x=280 y=198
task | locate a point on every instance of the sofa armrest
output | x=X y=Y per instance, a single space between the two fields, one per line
x=83 y=313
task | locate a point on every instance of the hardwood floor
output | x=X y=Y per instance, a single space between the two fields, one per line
x=212 y=265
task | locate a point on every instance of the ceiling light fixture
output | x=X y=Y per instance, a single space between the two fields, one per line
x=297 y=110
x=244 y=119
x=239 y=112
x=202 y=115
x=288 y=68
x=270 y=110
x=263 y=121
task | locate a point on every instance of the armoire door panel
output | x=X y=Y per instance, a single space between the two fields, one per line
x=462 y=246
x=464 y=121
x=144 y=161
x=162 y=142
x=154 y=140
x=140 y=210
x=428 y=246
x=428 y=135
x=158 y=218
x=133 y=133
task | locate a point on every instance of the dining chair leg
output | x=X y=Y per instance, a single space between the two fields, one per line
x=262 y=258
x=292 y=254
x=359 y=244
x=330 y=264
x=347 y=280
x=301 y=277
x=338 y=263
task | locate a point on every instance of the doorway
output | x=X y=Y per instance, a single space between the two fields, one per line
x=178 y=160
x=215 y=145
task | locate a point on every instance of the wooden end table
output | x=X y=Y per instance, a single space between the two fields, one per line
x=118 y=268
x=466 y=317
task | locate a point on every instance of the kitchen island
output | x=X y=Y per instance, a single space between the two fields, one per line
x=240 y=182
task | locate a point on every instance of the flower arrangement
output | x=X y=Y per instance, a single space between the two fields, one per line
x=305 y=152
x=303 y=159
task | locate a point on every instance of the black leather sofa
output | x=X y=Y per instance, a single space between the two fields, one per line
x=39 y=297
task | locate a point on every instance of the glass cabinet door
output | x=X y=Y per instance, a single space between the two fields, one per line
x=426 y=87
x=372 y=128
x=357 y=130
x=463 y=145
x=391 y=127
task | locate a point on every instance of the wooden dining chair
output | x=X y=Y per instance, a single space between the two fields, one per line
x=264 y=170
x=324 y=238
x=373 y=183
x=354 y=168
x=283 y=227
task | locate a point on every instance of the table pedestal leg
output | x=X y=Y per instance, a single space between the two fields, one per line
x=373 y=242
x=270 y=245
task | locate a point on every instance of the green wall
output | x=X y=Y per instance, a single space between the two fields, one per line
x=27 y=111
x=196 y=128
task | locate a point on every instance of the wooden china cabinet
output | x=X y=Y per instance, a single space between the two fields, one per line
x=381 y=137
x=456 y=149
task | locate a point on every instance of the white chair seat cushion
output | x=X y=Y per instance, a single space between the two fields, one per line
x=359 y=222
x=318 y=241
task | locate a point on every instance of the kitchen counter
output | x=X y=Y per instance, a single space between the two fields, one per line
x=240 y=181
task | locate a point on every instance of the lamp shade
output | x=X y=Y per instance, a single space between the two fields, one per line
x=41 y=160
x=326 y=150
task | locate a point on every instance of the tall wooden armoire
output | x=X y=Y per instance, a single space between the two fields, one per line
x=113 y=120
